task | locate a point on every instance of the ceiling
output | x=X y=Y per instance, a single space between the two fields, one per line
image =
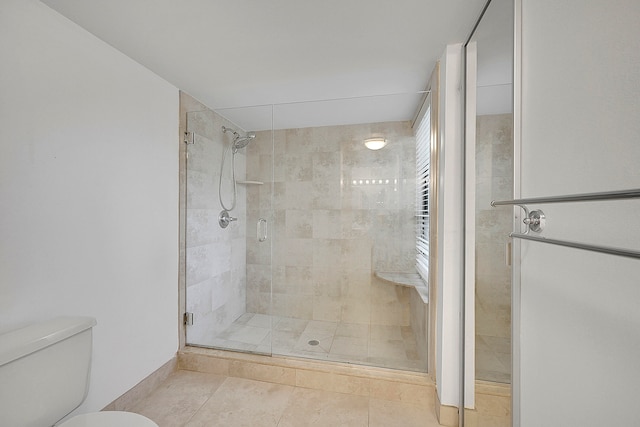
x=256 y=52
x=494 y=42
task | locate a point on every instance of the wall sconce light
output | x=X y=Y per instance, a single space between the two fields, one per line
x=375 y=143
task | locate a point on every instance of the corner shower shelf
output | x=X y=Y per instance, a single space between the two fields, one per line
x=250 y=182
x=408 y=280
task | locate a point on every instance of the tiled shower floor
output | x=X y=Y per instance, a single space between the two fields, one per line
x=493 y=359
x=375 y=345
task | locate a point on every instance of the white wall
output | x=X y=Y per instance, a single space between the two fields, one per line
x=580 y=322
x=450 y=227
x=88 y=193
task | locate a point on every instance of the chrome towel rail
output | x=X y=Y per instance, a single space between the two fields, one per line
x=594 y=248
x=584 y=197
x=535 y=220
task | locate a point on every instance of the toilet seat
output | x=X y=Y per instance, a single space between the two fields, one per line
x=108 y=419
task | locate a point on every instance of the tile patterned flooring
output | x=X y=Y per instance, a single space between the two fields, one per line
x=493 y=359
x=193 y=399
x=373 y=345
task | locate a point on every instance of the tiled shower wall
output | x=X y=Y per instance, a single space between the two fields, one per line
x=494 y=181
x=215 y=257
x=341 y=212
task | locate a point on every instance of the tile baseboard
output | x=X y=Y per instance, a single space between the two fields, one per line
x=141 y=390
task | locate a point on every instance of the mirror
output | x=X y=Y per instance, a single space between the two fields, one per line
x=490 y=176
x=494 y=181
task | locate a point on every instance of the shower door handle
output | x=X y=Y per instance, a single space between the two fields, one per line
x=262 y=230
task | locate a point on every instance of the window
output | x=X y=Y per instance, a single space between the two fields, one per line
x=423 y=167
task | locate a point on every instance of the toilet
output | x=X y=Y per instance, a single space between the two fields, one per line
x=44 y=376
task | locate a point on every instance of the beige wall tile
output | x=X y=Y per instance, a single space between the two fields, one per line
x=326 y=165
x=494 y=180
x=356 y=310
x=331 y=233
x=207 y=259
x=298 y=224
x=299 y=252
x=327 y=223
x=298 y=166
x=327 y=308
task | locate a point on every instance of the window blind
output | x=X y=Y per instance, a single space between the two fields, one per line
x=423 y=158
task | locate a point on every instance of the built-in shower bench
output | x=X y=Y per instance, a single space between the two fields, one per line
x=409 y=280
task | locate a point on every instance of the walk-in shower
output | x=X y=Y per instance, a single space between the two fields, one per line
x=319 y=217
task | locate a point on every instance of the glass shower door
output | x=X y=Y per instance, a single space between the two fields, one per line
x=345 y=220
x=322 y=219
x=227 y=246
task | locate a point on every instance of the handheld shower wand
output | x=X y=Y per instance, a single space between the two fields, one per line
x=238 y=143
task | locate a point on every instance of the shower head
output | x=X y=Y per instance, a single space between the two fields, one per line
x=242 y=141
x=239 y=141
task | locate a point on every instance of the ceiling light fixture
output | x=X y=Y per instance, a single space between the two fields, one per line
x=375 y=143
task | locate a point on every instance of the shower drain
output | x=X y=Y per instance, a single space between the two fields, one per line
x=313 y=342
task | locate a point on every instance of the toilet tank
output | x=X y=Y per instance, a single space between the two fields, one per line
x=44 y=371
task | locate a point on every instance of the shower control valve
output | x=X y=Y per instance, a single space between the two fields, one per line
x=224 y=219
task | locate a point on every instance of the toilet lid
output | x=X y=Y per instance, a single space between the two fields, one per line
x=108 y=419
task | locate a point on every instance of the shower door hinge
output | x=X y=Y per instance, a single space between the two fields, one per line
x=188 y=319
x=189 y=138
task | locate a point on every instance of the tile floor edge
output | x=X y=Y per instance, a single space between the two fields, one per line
x=327 y=367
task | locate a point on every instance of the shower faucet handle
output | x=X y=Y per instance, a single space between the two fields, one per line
x=224 y=219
